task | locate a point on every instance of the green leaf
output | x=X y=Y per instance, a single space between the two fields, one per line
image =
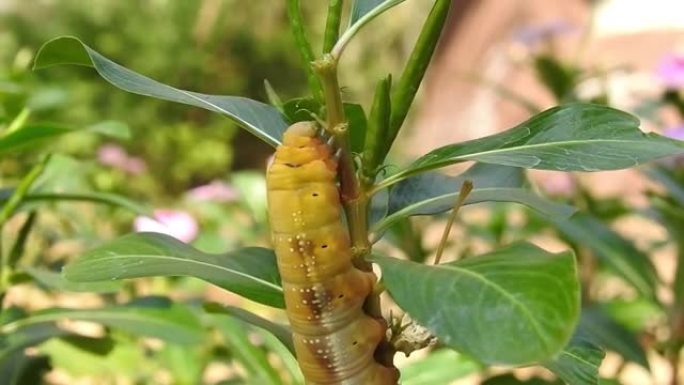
x=159 y=318
x=596 y=326
x=254 y=360
x=376 y=146
x=30 y=135
x=440 y=367
x=363 y=11
x=19 y=244
x=26 y=336
x=332 y=24
x=614 y=251
x=21 y=368
x=281 y=332
x=573 y=137
x=356 y=118
x=668 y=179
x=250 y=272
x=304 y=47
x=515 y=306
x=258 y=118
x=56 y=281
x=446 y=202
x=578 y=363
x=556 y=76
x=432 y=193
x=634 y=314
x=93 y=197
x=112 y=129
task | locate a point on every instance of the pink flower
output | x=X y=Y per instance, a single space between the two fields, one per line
x=671 y=71
x=116 y=157
x=178 y=224
x=112 y=155
x=676 y=132
x=215 y=191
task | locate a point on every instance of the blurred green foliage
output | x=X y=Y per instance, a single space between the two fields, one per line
x=197 y=45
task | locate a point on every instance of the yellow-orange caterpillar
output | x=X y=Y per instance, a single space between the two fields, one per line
x=324 y=293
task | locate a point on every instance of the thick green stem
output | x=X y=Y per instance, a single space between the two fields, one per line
x=332 y=25
x=416 y=66
x=355 y=200
x=326 y=68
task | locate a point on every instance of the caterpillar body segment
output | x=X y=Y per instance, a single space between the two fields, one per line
x=324 y=293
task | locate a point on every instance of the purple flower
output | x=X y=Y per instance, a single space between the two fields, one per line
x=215 y=191
x=178 y=224
x=536 y=33
x=671 y=71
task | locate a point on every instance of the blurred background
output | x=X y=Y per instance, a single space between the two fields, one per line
x=498 y=63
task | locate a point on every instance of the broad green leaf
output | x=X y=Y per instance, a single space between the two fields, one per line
x=578 y=363
x=21 y=368
x=258 y=118
x=573 y=137
x=56 y=281
x=433 y=193
x=125 y=360
x=440 y=367
x=161 y=319
x=243 y=350
x=430 y=185
x=29 y=135
x=34 y=198
x=515 y=306
x=445 y=202
x=29 y=335
x=250 y=272
x=596 y=326
x=281 y=332
x=614 y=251
x=32 y=134
x=559 y=79
x=286 y=356
x=634 y=314
x=111 y=128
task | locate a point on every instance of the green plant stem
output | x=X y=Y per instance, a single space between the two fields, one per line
x=332 y=25
x=303 y=45
x=8 y=210
x=416 y=66
x=326 y=68
x=354 y=199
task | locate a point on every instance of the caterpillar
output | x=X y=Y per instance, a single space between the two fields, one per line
x=334 y=339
